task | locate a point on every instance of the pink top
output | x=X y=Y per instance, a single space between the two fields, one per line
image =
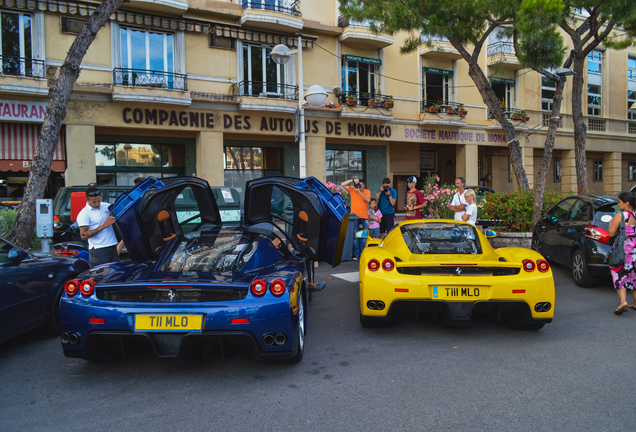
x=376 y=214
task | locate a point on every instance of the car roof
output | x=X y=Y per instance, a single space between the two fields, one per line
x=599 y=200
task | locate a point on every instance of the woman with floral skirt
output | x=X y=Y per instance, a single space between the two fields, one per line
x=624 y=276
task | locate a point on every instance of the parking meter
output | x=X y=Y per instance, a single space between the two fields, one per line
x=44 y=222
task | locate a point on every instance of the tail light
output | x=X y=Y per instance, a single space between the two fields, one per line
x=388 y=264
x=259 y=287
x=596 y=233
x=56 y=223
x=67 y=252
x=373 y=265
x=277 y=287
x=87 y=287
x=71 y=287
x=543 y=266
x=528 y=265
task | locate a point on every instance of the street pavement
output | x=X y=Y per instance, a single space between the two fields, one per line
x=576 y=374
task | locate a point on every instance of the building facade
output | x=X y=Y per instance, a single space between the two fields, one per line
x=174 y=87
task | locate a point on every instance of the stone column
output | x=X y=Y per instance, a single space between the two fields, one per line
x=612 y=164
x=210 y=157
x=316 y=150
x=80 y=155
x=568 y=171
x=468 y=163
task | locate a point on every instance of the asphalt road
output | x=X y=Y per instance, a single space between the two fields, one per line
x=576 y=374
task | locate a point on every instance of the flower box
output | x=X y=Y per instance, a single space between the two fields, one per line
x=450 y=111
x=433 y=109
x=463 y=112
x=388 y=105
x=525 y=118
x=374 y=104
x=352 y=102
x=516 y=117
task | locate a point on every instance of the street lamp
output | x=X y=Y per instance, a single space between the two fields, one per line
x=563 y=72
x=315 y=96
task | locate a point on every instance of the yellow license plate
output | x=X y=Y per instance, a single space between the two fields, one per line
x=161 y=322
x=458 y=292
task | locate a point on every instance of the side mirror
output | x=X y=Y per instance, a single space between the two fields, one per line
x=17 y=254
x=362 y=234
x=490 y=233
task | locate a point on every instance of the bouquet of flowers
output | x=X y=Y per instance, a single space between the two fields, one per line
x=438 y=197
x=340 y=190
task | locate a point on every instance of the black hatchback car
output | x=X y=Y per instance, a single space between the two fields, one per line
x=574 y=233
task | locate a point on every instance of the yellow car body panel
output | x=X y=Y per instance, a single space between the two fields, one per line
x=391 y=286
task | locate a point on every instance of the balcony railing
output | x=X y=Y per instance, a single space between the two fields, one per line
x=343 y=22
x=19 y=66
x=291 y=7
x=501 y=48
x=268 y=90
x=429 y=38
x=364 y=98
x=444 y=107
x=509 y=113
x=150 y=78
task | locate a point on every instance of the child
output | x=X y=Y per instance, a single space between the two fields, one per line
x=375 y=216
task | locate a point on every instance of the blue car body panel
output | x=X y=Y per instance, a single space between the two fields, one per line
x=208 y=271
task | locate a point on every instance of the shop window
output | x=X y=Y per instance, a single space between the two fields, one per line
x=631 y=173
x=17 y=52
x=594 y=83
x=262 y=77
x=548 y=88
x=360 y=79
x=598 y=170
x=557 y=170
x=122 y=163
x=631 y=88
x=343 y=165
x=247 y=163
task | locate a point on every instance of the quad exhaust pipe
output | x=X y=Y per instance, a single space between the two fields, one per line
x=70 y=338
x=375 y=305
x=275 y=339
x=542 y=307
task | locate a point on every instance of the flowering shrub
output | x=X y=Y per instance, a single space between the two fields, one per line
x=512 y=211
x=341 y=190
x=438 y=197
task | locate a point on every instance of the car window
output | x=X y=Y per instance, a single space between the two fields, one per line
x=282 y=208
x=581 y=211
x=560 y=211
x=4 y=252
x=604 y=214
x=435 y=238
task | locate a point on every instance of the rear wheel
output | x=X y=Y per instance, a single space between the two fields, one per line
x=300 y=333
x=536 y=244
x=52 y=327
x=580 y=272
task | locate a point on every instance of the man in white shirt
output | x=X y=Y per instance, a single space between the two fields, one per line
x=459 y=204
x=95 y=224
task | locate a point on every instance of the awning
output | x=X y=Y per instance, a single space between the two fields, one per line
x=17 y=147
x=259 y=37
x=85 y=9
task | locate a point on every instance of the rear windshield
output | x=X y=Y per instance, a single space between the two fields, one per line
x=203 y=251
x=441 y=238
x=604 y=215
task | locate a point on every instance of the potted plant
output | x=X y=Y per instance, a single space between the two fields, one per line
x=516 y=115
x=388 y=102
x=434 y=108
x=462 y=111
x=351 y=100
x=374 y=102
x=525 y=117
x=451 y=110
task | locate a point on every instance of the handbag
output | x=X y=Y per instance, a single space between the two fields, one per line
x=616 y=257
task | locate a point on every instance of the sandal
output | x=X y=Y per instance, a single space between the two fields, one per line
x=620 y=311
x=632 y=307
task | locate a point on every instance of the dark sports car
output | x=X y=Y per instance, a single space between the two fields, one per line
x=30 y=288
x=184 y=293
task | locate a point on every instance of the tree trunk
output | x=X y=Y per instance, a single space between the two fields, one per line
x=55 y=114
x=491 y=101
x=579 y=124
x=539 y=187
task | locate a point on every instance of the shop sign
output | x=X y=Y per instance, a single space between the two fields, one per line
x=22 y=111
x=169 y=118
x=354 y=58
x=427 y=160
x=495 y=80
x=438 y=71
x=433 y=135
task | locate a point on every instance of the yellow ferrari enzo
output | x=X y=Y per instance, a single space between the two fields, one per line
x=448 y=270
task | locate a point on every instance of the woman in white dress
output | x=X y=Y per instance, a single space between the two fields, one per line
x=471 y=210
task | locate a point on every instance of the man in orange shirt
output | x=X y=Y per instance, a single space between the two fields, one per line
x=360 y=197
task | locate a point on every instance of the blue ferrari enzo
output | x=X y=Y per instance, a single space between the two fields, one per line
x=193 y=285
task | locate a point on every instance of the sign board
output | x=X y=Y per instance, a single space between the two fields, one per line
x=495 y=80
x=22 y=111
x=438 y=71
x=354 y=58
x=427 y=160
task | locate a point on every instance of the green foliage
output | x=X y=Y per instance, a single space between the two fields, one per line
x=512 y=211
x=7 y=220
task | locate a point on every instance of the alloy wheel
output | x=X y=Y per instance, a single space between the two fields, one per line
x=301 y=321
x=577 y=266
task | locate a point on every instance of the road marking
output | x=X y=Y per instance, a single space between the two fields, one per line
x=349 y=277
